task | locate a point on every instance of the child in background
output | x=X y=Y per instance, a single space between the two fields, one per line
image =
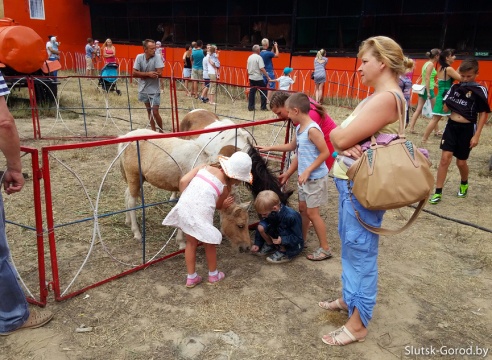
x=205 y=189
x=285 y=81
x=206 y=65
x=312 y=152
x=467 y=102
x=280 y=227
x=213 y=73
x=405 y=84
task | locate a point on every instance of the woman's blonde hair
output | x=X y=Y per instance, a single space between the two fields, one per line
x=320 y=54
x=106 y=42
x=387 y=51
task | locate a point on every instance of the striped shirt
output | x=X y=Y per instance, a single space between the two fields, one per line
x=307 y=152
x=4 y=90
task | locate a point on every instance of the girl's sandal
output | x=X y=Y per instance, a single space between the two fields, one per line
x=319 y=254
x=340 y=337
x=333 y=305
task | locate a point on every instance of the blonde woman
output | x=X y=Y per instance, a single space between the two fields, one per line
x=320 y=62
x=382 y=61
x=109 y=52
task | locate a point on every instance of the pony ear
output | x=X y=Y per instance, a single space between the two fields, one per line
x=245 y=205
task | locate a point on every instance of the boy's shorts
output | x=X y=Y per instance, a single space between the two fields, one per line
x=89 y=64
x=206 y=83
x=456 y=139
x=424 y=95
x=314 y=192
x=153 y=99
x=197 y=74
x=186 y=72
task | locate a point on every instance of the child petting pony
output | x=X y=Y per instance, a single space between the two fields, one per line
x=204 y=189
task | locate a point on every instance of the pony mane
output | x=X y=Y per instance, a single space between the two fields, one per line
x=263 y=178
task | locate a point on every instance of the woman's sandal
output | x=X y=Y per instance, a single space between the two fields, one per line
x=340 y=337
x=327 y=305
x=319 y=254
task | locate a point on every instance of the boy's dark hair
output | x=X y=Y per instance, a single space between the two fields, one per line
x=469 y=64
x=443 y=55
x=89 y=40
x=279 y=98
x=199 y=43
x=300 y=101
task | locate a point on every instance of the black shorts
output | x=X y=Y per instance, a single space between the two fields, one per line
x=456 y=139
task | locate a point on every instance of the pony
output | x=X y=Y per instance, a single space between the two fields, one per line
x=263 y=178
x=163 y=162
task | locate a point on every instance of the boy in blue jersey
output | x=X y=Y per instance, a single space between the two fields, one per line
x=467 y=102
x=312 y=152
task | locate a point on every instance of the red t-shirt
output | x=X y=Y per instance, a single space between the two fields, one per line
x=326 y=125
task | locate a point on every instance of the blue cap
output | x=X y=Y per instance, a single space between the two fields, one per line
x=288 y=70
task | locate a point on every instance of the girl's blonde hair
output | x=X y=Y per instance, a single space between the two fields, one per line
x=320 y=54
x=387 y=51
x=106 y=42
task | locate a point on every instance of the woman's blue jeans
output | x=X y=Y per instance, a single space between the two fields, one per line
x=359 y=253
x=14 y=310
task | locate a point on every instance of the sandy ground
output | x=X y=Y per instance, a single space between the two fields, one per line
x=434 y=287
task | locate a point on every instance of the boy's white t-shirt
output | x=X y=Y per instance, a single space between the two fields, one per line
x=284 y=82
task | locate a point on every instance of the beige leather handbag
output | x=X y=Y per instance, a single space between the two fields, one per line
x=391 y=176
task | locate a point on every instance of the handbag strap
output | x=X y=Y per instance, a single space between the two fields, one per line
x=382 y=231
x=401 y=125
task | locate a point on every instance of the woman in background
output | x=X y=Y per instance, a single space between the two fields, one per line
x=187 y=67
x=428 y=79
x=445 y=78
x=109 y=52
x=320 y=62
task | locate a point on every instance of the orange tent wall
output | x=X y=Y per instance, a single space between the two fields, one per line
x=69 y=20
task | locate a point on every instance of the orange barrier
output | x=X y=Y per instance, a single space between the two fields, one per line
x=342 y=80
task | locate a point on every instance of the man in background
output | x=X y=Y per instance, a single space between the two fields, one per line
x=256 y=74
x=148 y=68
x=267 y=57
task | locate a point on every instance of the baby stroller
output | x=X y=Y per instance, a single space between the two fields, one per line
x=108 y=78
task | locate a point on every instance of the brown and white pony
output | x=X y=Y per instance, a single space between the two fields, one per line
x=163 y=162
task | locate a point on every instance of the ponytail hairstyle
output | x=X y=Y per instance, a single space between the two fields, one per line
x=443 y=55
x=320 y=110
x=433 y=53
x=320 y=54
x=278 y=99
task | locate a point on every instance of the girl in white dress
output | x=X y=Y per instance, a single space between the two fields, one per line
x=204 y=189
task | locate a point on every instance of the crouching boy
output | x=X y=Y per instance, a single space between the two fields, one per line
x=279 y=231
